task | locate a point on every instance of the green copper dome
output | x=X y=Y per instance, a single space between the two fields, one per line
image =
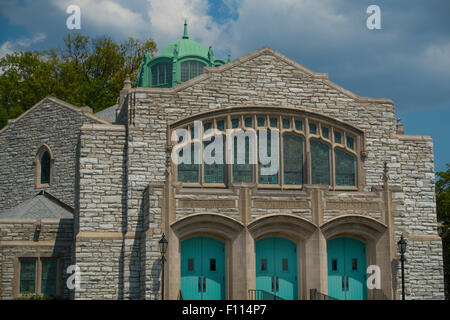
x=179 y=61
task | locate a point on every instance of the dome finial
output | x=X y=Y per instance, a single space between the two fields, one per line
x=185 y=36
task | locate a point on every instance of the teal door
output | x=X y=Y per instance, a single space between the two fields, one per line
x=276 y=267
x=347 y=269
x=203 y=269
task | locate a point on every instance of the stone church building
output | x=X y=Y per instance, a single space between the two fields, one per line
x=99 y=190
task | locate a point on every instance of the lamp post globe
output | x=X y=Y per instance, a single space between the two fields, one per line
x=163 y=244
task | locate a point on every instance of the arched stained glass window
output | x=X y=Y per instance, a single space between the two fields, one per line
x=345 y=168
x=332 y=158
x=320 y=162
x=188 y=172
x=293 y=159
x=215 y=173
x=45 y=167
x=266 y=179
x=242 y=173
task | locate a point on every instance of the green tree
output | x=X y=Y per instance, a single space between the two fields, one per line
x=87 y=71
x=443 y=214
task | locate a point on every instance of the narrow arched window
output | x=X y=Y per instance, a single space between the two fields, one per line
x=266 y=179
x=320 y=162
x=214 y=171
x=345 y=168
x=242 y=172
x=293 y=159
x=44 y=167
x=188 y=171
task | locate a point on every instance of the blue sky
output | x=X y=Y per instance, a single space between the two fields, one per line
x=408 y=60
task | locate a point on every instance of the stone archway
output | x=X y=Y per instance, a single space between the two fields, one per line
x=296 y=229
x=372 y=233
x=212 y=225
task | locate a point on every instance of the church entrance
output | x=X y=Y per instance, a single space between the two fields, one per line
x=276 y=267
x=203 y=269
x=347 y=269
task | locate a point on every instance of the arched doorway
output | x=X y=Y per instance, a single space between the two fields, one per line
x=346 y=269
x=276 y=267
x=203 y=269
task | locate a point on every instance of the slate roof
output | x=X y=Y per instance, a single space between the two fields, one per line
x=42 y=205
x=108 y=113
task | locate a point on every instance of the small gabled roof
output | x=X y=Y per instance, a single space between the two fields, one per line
x=42 y=205
x=108 y=114
x=86 y=111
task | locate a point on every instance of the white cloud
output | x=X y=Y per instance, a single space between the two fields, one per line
x=9 y=46
x=286 y=22
x=167 y=19
x=107 y=16
x=437 y=58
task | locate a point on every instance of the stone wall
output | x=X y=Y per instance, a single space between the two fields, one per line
x=415 y=216
x=18 y=239
x=50 y=122
x=102 y=250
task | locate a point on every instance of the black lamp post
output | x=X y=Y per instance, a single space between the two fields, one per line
x=163 y=248
x=402 y=247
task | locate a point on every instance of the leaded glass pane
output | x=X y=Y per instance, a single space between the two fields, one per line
x=286 y=123
x=320 y=162
x=48 y=279
x=192 y=133
x=188 y=172
x=162 y=73
x=298 y=125
x=312 y=128
x=350 y=142
x=293 y=159
x=184 y=71
x=200 y=67
x=337 y=137
x=168 y=73
x=248 y=122
x=45 y=168
x=242 y=173
x=207 y=126
x=274 y=122
x=325 y=132
x=345 y=168
x=155 y=75
x=215 y=173
x=221 y=125
x=261 y=121
x=266 y=179
x=191 y=69
x=235 y=123
x=27 y=275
